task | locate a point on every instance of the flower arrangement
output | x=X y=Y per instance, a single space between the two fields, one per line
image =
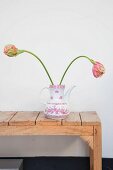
x=98 y=69
x=57 y=106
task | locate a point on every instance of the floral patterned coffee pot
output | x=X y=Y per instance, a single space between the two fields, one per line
x=58 y=103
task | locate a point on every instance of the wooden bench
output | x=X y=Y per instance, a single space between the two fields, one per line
x=87 y=125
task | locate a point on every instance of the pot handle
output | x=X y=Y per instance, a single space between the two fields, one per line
x=42 y=90
x=68 y=92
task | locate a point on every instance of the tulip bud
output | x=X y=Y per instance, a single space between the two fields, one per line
x=11 y=51
x=98 y=69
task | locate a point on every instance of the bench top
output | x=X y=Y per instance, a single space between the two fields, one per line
x=32 y=118
x=35 y=123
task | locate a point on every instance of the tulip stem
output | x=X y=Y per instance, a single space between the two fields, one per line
x=41 y=63
x=92 y=61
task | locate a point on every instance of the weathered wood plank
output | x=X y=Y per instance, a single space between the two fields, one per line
x=41 y=120
x=88 y=140
x=5 y=117
x=24 y=118
x=72 y=119
x=91 y=158
x=97 y=152
x=46 y=130
x=90 y=118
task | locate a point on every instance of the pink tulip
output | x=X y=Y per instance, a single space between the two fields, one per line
x=98 y=69
x=10 y=50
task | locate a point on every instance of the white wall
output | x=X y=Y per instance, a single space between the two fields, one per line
x=57 y=31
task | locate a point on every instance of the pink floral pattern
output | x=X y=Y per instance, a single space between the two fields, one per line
x=57 y=103
x=57 y=86
x=56 y=91
x=51 y=97
x=54 y=110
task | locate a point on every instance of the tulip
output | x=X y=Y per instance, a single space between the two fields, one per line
x=11 y=51
x=98 y=69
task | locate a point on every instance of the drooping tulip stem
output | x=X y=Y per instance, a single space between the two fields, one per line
x=41 y=64
x=92 y=61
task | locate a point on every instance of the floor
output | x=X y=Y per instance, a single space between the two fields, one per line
x=62 y=163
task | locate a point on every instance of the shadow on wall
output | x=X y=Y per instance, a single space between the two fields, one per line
x=42 y=146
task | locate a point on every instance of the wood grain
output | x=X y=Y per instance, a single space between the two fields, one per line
x=97 y=152
x=41 y=120
x=46 y=130
x=5 y=117
x=89 y=140
x=24 y=118
x=91 y=158
x=90 y=118
x=72 y=119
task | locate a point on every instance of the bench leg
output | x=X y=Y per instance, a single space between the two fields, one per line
x=91 y=158
x=95 y=148
x=96 y=153
x=89 y=140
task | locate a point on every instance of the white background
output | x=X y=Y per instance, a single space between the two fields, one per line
x=57 y=31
